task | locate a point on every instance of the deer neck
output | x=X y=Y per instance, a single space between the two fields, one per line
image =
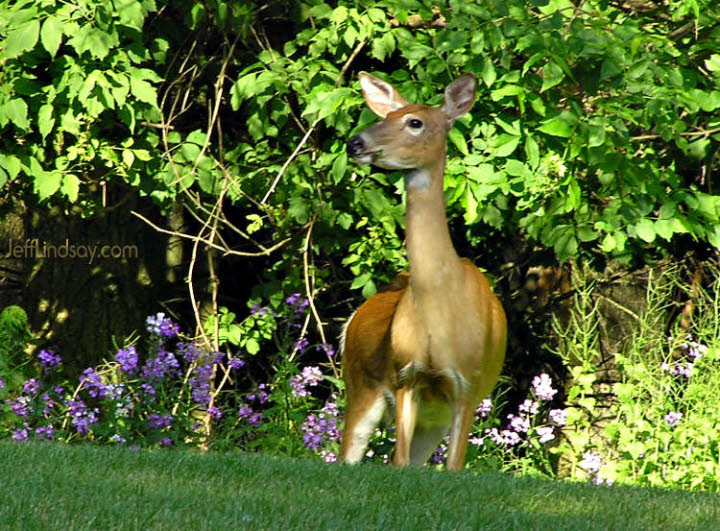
x=434 y=264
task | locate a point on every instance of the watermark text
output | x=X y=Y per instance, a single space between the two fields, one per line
x=34 y=248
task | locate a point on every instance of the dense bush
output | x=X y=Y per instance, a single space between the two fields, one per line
x=594 y=139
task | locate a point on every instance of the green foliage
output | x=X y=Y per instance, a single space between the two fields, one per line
x=593 y=134
x=14 y=338
x=658 y=424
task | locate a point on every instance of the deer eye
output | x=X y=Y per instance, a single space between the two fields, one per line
x=414 y=123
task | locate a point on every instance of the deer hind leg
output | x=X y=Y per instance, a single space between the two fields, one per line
x=425 y=440
x=463 y=416
x=363 y=414
x=406 y=416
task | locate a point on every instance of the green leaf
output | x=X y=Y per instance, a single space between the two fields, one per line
x=552 y=75
x=532 y=152
x=70 y=186
x=645 y=230
x=488 y=72
x=11 y=164
x=596 y=136
x=556 y=127
x=566 y=245
x=51 y=34
x=21 y=39
x=507 y=145
x=143 y=91
x=361 y=280
x=369 y=289
x=608 y=244
x=339 y=167
x=458 y=140
x=46 y=183
x=665 y=228
x=45 y=120
x=15 y=111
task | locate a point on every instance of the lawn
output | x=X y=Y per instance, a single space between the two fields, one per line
x=54 y=486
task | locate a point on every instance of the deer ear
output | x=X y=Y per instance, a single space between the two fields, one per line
x=380 y=96
x=459 y=97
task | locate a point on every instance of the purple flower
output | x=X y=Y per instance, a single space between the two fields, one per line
x=255 y=419
x=167 y=441
x=214 y=413
x=682 y=369
x=93 y=383
x=44 y=432
x=200 y=384
x=328 y=457
x=158 y=367
x=543 y=387
x=161 y=326
x=20 y=434
x=48 y=404
x=245 y=410
x=510 y=438
x=31 y=386
x=673 y=418
x=190 y=351
x=558 y=416
x=545 y=434
x=297 y=303
x=158 y=422
x=236 y=363
x=310 y=376
x=495 y=436
x=20 y=406
x=2 y=384
x=591 y=463
x=439 y=455
x=257 y=310
x=519 y=424
x=327 y=347
x=49 y=359
x=320 y=427
x=301 y=344
x=82 y=421
x=149 y=391
x=484 y=408
x=528 y=406
x=128 y=359
x=260 y=394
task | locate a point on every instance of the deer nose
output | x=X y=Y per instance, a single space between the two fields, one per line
x=355 y=145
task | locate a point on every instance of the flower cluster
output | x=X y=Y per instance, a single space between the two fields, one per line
x=128 y=359
x=49 y=359
x=297 y=303
x=158 y=422
x=92 y=381
x=693 y=350
x=162 y=326
x=322 y=427
x=522 y=425
x=310 y=376
x=124 y=401
x=543 y=387
x=592 y=464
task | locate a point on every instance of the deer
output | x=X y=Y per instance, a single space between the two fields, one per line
x=430 y=346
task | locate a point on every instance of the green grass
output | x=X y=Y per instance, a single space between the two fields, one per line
x=54 y=486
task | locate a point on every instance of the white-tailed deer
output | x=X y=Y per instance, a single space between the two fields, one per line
x=433 y=343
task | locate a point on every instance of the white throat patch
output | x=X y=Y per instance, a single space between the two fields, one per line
x=417 y=179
